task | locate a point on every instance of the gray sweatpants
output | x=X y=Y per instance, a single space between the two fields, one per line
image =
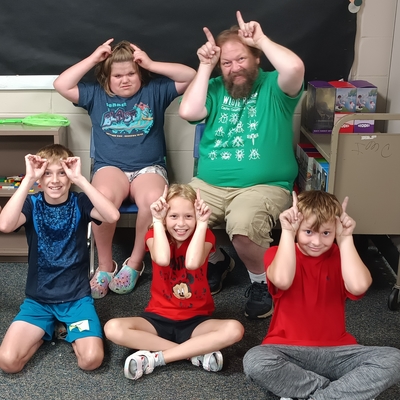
x=323 y=373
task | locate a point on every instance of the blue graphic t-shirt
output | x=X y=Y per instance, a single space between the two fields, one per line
x=128 y=133
x=58 y=257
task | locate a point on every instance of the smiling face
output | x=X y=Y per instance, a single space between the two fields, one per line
x=55 y=183
x=180 y=221
x=124 y=79
x=239 y=68
x=314 y=242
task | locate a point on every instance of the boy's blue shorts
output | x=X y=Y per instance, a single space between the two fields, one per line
x=79 y=316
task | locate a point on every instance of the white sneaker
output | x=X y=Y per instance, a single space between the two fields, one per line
x=210 y=362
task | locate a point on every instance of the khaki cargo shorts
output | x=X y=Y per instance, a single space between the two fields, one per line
x=251 y=212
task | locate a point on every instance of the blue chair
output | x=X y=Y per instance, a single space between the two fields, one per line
x=126 y=208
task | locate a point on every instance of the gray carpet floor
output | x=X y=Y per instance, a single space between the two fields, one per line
x=53 y=372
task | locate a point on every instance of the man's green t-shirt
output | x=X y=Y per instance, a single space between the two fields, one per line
x=249 y=141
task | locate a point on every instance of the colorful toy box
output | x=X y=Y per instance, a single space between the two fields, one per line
x=366 y=97
x=320 y=107
x=320 y=174
x=345 y=103
x=305 y=158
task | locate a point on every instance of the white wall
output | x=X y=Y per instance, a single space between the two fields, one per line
x=374 y=41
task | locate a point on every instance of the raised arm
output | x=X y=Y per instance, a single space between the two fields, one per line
x=158 y=245
x=11 y=217
x=282 y=270
x=198 y=248
x=289 y=66
x=181 y=74
x=103 y=209
x=192 y=107
x=356 y=275
x=67 y=82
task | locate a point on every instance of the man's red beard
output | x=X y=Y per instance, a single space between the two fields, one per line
x=241 y=90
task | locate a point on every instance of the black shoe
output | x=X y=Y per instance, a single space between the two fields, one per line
x=259 y=304
x=216 y=273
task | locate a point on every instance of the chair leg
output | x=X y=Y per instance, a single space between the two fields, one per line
x=91 y=251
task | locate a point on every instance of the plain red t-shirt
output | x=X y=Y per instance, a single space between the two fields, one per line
x=312 y=311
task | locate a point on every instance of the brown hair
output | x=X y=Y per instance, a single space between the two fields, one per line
x=54 y=152
x=324 y=206
x=121 y=52
x=232 y=35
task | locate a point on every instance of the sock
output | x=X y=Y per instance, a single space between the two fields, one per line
x=213 y=258
x=257 y=277
x=158 y=362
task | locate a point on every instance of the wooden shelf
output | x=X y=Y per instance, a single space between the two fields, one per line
x=13 y=247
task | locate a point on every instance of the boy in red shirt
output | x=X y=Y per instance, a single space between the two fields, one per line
x=307 y=353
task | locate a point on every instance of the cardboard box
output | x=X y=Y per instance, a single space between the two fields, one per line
x=345 y=100
x=345 y=103
x=320 y=107
x=347 y=127
x=366 y=97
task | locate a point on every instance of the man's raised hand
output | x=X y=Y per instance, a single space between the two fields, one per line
x=209 y=53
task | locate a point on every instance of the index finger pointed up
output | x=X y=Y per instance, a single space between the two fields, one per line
x=345 y=202
x=108 y=41
x=209 y=35
x=295 y=201
x=198 y=197
x=165 y=192
x=239 y=19
x=134 y=47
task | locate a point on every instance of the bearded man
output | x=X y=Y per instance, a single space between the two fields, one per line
x=247 y=166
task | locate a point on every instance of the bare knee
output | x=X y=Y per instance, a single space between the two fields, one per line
x=234 y=331
x=89 y=352
x=113 y=330
x=10 y=363
x=90 y=359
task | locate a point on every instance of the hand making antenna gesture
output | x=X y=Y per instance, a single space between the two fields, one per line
x=345 y=225
x=140 y=57
x=160 y=207
x=250 y=32
x=291 y=219
x=102 y=52
x=209 y=53
x=203 y=211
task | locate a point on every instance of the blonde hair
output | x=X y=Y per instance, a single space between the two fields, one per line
x=181 y=190
x=54 y=152
x=324 y=206
x=121 y=52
